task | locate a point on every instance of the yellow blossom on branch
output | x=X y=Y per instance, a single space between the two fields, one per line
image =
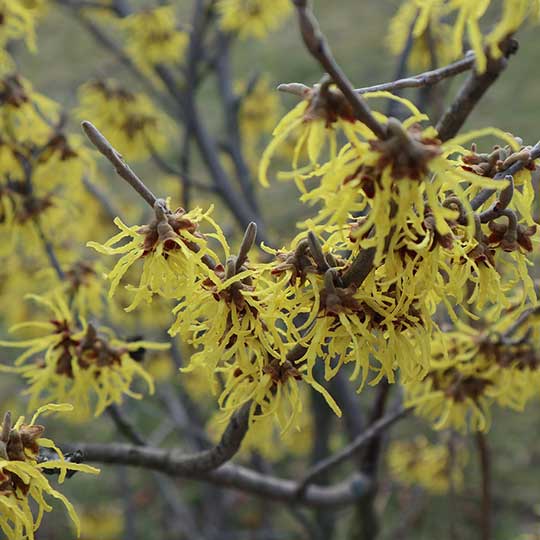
x=252 y=18
x=431 y=466
x=79 y=363
x=23 y=485
x=171 y=248
x=129 y=119
x=153 y=37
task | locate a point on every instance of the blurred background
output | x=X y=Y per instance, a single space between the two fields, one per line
x=134 y=504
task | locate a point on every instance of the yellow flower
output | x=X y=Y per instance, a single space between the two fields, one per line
x=439 y=27
x=102 y=522
x=19 y=20
x=85 y=365
x=431 y=35
x=154 y=38
x=25 y=116
x=268 y=440
x=172 y=250
x=252 y=18
x=431 y=466
x=129 y=120
x=474 y=368
x=23 y=486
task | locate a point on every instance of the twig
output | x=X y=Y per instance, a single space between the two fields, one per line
x=231 y=105
x=401 y=69
x=472 y=91
x=117 y=161
x=124 y=425
x=102 y=198
x=350 y=450
x=359 y=269
x=485 y=466
x=427 y=78
x=228 y=475
x=318 y=47
x=49 y=249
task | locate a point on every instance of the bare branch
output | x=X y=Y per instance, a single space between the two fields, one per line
x=359 y=269
x=428 y=78
x=121 y=167
x=203 y=461
x=476 y=85
x=318 y=47
x=228 y=475
x=124 y=425
x=350 y=450
x=485 y=466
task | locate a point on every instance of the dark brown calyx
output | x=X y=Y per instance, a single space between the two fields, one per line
x=407 y=152
x=166 y=228
x=280 y=372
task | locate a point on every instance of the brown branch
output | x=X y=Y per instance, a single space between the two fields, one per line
x=177 y=462
x=117 y=161
x=352 y=448
x=231 y=105
x=124 y=425
x=360 y=268
x=228 y=475
x=476 y=85
x=485 y=465
x=318 y=47
x=428 y=78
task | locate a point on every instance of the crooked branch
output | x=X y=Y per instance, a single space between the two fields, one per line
x=352 y=448
x=228 y=475
x=318 y=47
x=476 y=85
x=117 y=161
x=427 y=78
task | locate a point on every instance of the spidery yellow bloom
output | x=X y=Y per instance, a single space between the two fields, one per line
x=153 y=37
x=19 y=20
x=431 y=466
x=422 y=21
x=84 y=365
x=129 y=120
x=440 y=28
x=172 y=249
x=252 y=18
x=473 y=368
x=23 y=486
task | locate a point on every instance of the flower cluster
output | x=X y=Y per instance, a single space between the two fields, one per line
x=23 y=485
x=129 y=119
x=418 y=223
x=171 y=248
x=153 y=37
x=18 y=23
x=36 y=157
x=438 y=29
x=435 y=467
x=73 y=361
x=252 y=18
x=496 y=362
